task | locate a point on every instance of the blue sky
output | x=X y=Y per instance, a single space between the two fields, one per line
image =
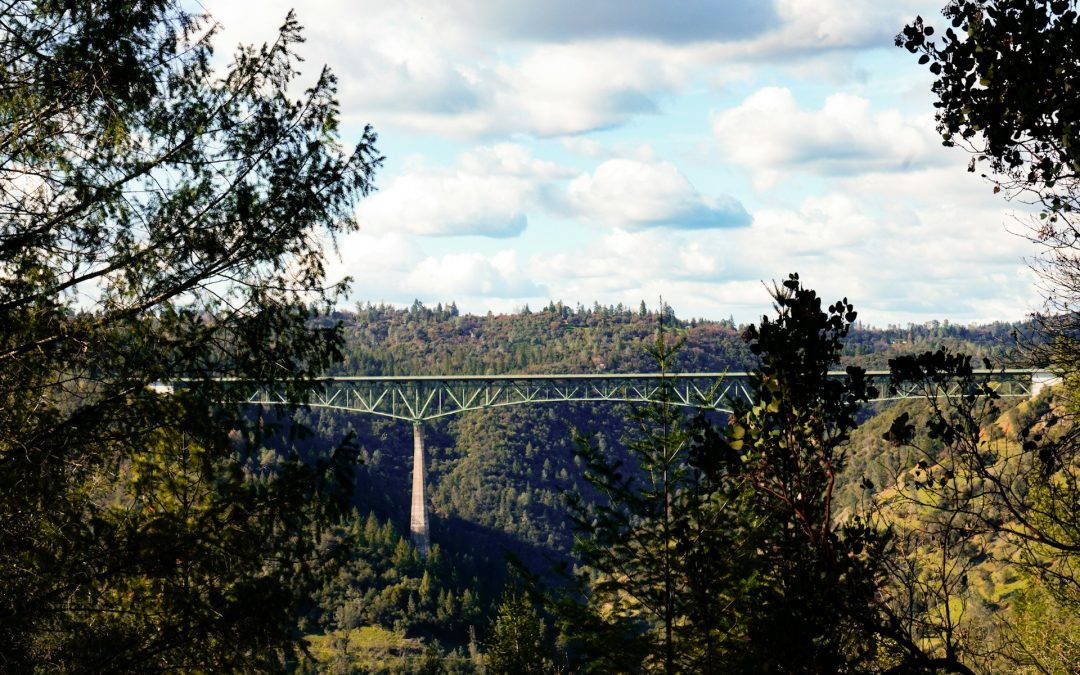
x=623 y=150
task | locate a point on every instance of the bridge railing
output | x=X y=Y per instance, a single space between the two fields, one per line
x=420 y=398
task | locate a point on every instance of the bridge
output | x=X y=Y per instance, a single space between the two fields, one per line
x=419 y=399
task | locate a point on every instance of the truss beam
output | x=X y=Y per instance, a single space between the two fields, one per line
x=419 y=399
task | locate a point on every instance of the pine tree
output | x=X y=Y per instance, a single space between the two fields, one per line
x=647 y=547
x=516 y=643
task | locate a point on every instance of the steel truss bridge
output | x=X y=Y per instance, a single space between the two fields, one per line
x=419 y=399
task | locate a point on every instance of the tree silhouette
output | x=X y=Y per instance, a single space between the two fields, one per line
x=160 y=218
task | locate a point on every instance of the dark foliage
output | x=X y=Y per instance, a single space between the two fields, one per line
x=158 y=221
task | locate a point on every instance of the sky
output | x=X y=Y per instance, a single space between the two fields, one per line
x=616 y=151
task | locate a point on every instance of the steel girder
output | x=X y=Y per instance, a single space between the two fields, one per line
x=417 y=399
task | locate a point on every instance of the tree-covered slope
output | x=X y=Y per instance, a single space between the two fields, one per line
x=498 y=479
x=384 y=340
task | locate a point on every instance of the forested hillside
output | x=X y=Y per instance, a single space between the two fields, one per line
x=383 y=340
x=499 y=480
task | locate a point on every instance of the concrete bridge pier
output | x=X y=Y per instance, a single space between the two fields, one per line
x=418 y=523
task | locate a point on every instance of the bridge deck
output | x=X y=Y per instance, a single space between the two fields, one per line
x=426 y=397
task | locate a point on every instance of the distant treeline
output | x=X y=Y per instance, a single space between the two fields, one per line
x=440 y=340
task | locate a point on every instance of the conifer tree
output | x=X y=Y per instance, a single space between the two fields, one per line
x=516 y=644
x=160 y=219
x=654 y=549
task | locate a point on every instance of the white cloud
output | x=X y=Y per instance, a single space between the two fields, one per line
x=891 y=223
x=809 y=27
x=491 y=189
x=455 y=203
x=472 y=274
x=487 y=193
x=770 y=133
x=626 y=259
x=837 y=23
x=635 y=194
x=421 y=83
x=947 y=262
x=932 y=186
x=376 y=264
x=546 y=91
x=476 y=69
x=820 y=227
x=695 y=274
x=895 y=262
x=395 y=268
x=425 y=83
x=510 y=160
x=364 y=253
